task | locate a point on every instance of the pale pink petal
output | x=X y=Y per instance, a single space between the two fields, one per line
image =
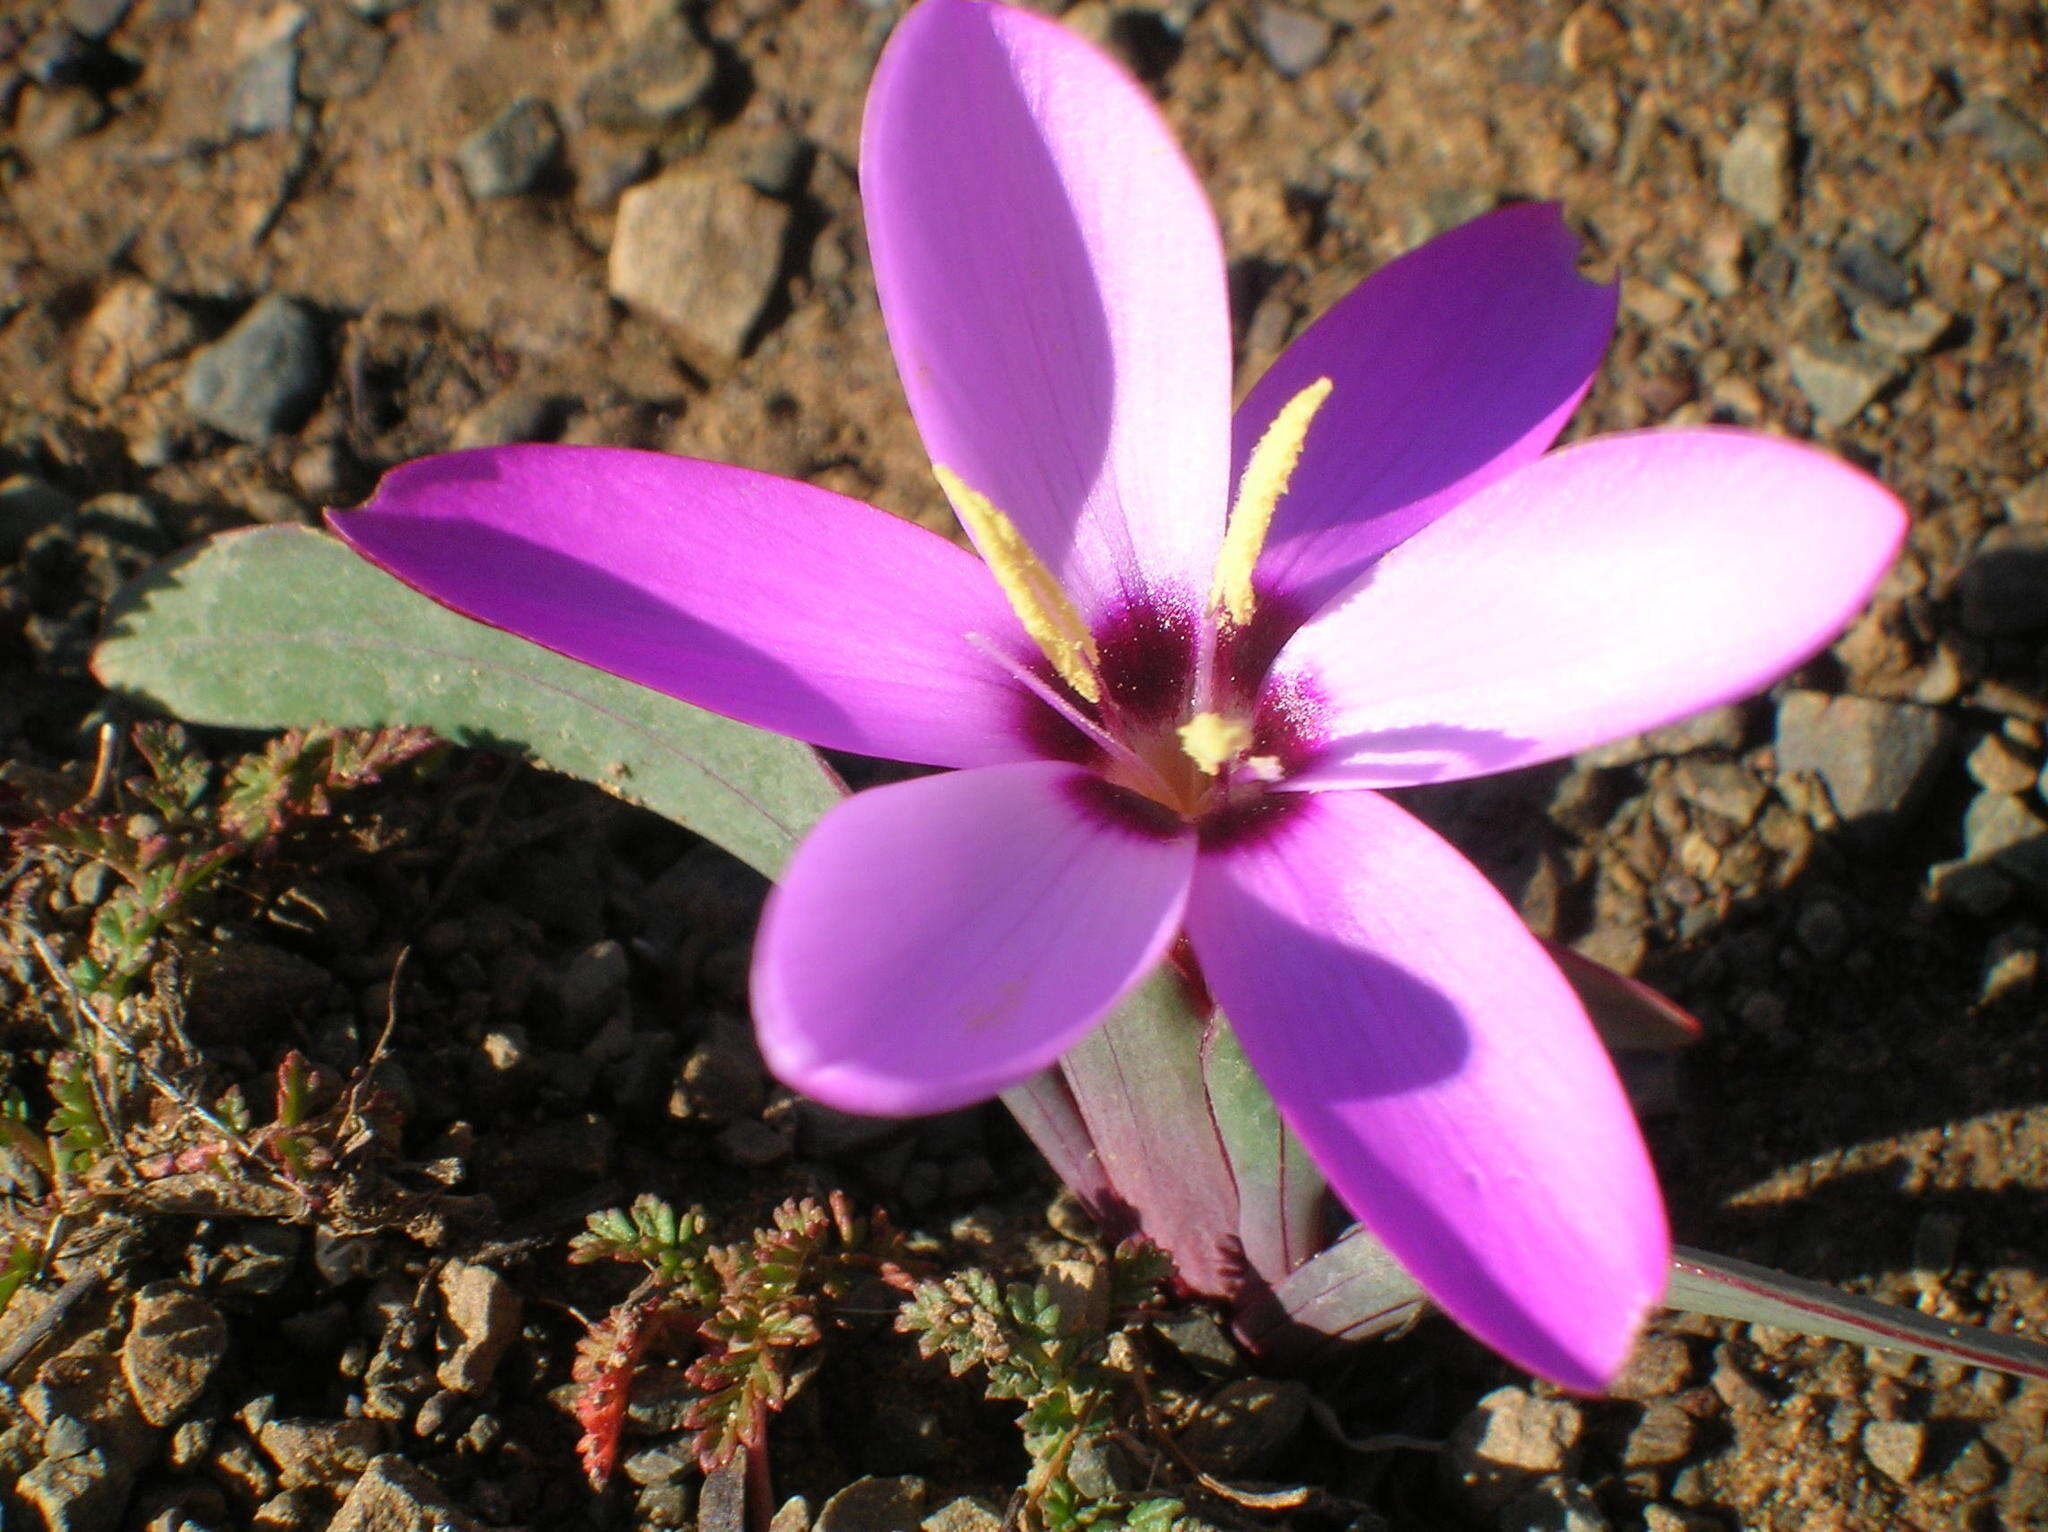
x=761 y=598
x=1442 y=1074
x=939 y=940
x=1452 y=365
x=1053 y=284
x=1607 y=589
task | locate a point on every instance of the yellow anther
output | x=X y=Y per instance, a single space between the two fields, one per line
x=1266 y=474
x=1034 y=594
x=1212 y=741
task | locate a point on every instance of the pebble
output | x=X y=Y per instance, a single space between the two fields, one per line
x=313 y=1453
x=1555 y=1505
x=667 y=73
x=1721 y=787
x=1995 y=762
x=967 y=1513
x=516 y=415
x=1876 y=759
x=875 y=1505
x=1664 y=1435
x=1245 y=1425
x=1659 y=1367
x=175 y=1343
x=265 y=88
x=2004 y=587
x=483 y=1311
x=593 y=984
x=95 y=19
x=1293 y=40
x=1756 y=167
x=264 y=376
x=701 y=253
x=1509 y=1438
x=1721 y=728
x=1868 y=273
x=513 y=153
x=722 y=1501
x=1895 y=1447
x=27 y=506
x=1840 y=379
x=78 y=1493
x=394 y=1496
x=132 y=328
x=1906 y=332
x=2003 y=828
x=2007 y=134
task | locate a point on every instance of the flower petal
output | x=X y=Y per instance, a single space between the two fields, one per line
x=1609 y=588
x=1053 y=283
x=1442 y=1074
x=938 y=940
x=761 y=598
x=1452 y=365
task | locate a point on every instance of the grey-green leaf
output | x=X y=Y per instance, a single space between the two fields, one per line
x=279 y=627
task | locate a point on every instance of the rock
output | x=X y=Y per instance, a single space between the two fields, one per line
x=1906 y=332
x=310 y=1454
x=80 y=1492
x=1840 y=379
x=133 y=327
x=483 y=1311
x=722 y=1502
x=265 y=88
x=1895 y=1447
x=174 y=1345
x=968 y=1513
x=340 y=57
x=1555 y=1505
x=1725 y=788
x=1510 y=1438
x=1244 y=1426
x=875 y=1505
x=1756 y=167
x=1867 y=273
x=377 y=10
x=2004 y=587
x=702 y=253
x=2008 y=135
x=394 y=1496
x=1876 y=759
x=1293 y=40
x=1592 y=38
x=1659 y=1367
x=95 y=19
x=594 y=983
x=1664 y=1435
x=665 y=74
x=2004 y=830
x=27 y=506
x=516 y=415
x=264 y=376
x=1996 y=763
x=794 y=1515
x=512 y=153
x=2028 y=505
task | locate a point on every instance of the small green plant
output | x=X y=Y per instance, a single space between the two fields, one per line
x=753 y=1313
x=1061 y=1347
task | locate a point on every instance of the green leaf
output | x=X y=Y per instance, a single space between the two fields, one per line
x=280 y=627
x=1280 y=1190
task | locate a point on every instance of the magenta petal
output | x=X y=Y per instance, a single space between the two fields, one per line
x=1053 y=283
x=1452 y=365
x=761 y=598
x=1442 y=1074
x=1610 y=588
x=936 y=941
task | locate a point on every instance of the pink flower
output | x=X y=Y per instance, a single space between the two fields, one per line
x=1173 y=727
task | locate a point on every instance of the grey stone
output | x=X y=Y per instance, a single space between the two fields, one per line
x=394 y=1496
x=95 y=19
x=1867 y=272
x=875 y=1505
x=1664 y=1435
x=1995 y=762
x=2007 y=133
x=340 y=56
x=662 y=1464
x=513 y=152
x=2004 y=587
x=665 y=1505
x=265 y=89
x=701 y=253
x=1840 y=379
x=377 y=10
x=1555 y=1505
x=594 y=983
x=1725 y=788
x=78 y=1493
x=264 y=376
x=665 y=74
x=1720 y=728
x=175 y=1343
x=1509 y=1439
x=1895 y=1448
x=1294 y=40
x=483 y=1312
x=722 y=1502
x=516 y=415
x=1756 y=167
x=1245 y=1425
x=2004 y=830
x=1876 y=759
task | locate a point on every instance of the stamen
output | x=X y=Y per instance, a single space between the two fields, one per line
x=1034 y=593
x=1266 y=474
x=1212 y=741
x=1094 y=731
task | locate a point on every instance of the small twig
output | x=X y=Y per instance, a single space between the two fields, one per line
x=47 y=1323
x=1388 y=1441
x=103 y=766
x=1155 y=1422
